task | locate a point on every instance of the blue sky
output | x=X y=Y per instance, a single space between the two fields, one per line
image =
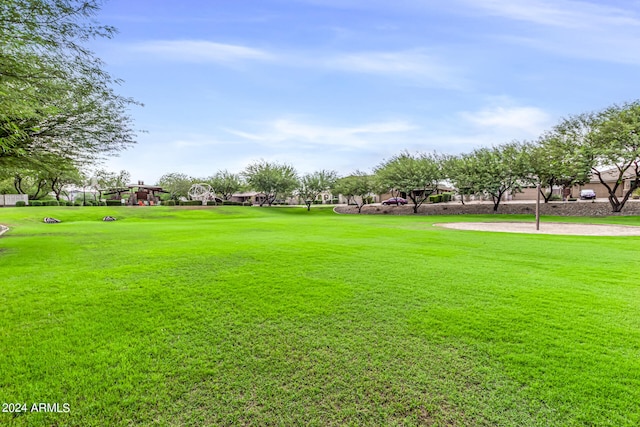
x=345 y=84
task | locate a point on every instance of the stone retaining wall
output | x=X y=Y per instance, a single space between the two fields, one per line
x=599 y=208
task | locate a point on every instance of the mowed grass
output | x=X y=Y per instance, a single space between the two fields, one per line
x=257 y=316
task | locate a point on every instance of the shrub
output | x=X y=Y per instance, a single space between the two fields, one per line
x=88 y=203
x=446 y=197
x=51 y=203
x=231 y=203
x=20 y=203
x=555 y=198
x=169 y=203
x=212 y=203
x=190 y=203
x=77 y=203
x=113 y=203
x=435 y=198
x=35 y=203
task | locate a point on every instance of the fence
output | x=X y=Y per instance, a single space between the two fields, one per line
x=11 y=199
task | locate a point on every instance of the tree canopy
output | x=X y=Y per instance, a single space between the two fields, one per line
x=311 y=185
x=356 y=187
x=55 y=96
x=494 y=171
x=416 y=175
x=272 y=179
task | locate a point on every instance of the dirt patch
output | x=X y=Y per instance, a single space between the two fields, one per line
x=546 y=228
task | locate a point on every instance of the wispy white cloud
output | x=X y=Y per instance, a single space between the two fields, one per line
x=415 y=65
x=531 y=121
x=567 y=14
x=578 y=29
x=288 y=131
x=200 y=51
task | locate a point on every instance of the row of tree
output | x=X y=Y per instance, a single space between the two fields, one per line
x=272 y=180
x=572 y=152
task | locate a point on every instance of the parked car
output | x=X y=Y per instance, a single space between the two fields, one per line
x=587 y=194
x=395 y=201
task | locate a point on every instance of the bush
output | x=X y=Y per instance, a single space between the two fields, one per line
x=169 y=203
x=446 y=197
x=435 y=198
x=101 y=203
x=190 y=203
x=20 y=204
x=88 y=203
x=555 y=198
x=51 y=203
x=212 y=203
x=231 y=203
x=113 y=203
x=35 y=203
x=77 y=203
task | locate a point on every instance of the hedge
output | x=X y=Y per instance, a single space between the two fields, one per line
x=20 y=203
x=114 y=203
x=190 y=203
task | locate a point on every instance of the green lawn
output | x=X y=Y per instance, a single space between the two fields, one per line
x=258 y=316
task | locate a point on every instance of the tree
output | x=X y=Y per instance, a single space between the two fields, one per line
x=225 y=183
x=177 y=184
x=273 y=180
x=610 y=141
x=61 y=174
x=457 y=169
x=557 y=161
x=55 y=97
x=356 y=187
x=416 y=175
x=311 y=185
x=494 y=171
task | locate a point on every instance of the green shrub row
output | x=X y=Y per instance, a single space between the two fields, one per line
x=114 y=203
x=231 y=203
x=169 y=203
x=435 y=198
x=190 y=203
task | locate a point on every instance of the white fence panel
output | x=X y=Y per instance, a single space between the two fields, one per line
x=11 y=199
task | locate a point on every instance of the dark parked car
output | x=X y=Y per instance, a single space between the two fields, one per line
x=587 y=194
x=395 y=201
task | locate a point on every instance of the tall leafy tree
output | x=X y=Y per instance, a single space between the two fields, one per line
x=557 y=161
x=610 y=140
x=55 y=96
x=225 y=183
x=177 y=184
x=356 y=188
x=494 y=171
x=416 y=175
x=273 y=180
x=311 y=185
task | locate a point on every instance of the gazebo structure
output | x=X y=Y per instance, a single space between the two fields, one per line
x=139 y=194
